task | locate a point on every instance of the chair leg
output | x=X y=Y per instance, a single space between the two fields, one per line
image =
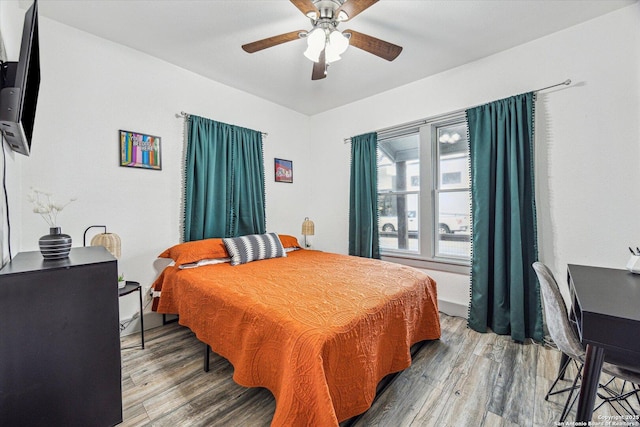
x=564 y=362
x=561 y=373
x=606 y=393
x=611 y=397
x=624 y=397
x=621 y=397
x=569 y=403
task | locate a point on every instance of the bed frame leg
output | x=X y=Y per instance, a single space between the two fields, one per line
x=206 y=357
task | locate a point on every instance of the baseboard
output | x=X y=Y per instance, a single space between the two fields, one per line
x=453 y=308
x=151 y=320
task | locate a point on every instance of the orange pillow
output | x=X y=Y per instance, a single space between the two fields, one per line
x=289 y=241
x=190 y=252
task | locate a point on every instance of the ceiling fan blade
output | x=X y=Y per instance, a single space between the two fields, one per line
x=271 y=41
x=319 y=68
x=353 y=8
x=381 y=48
x=307 y=7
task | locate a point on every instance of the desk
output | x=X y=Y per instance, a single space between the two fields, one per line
x=605 y=303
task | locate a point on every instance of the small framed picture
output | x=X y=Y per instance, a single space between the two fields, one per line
x=283 y=170
x=138 y=150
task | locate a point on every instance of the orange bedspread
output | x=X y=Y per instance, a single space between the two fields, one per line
x=319 y=330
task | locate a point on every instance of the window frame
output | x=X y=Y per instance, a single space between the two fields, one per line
x=427 y=256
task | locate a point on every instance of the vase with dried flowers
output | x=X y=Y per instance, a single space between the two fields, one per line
x=54 y=245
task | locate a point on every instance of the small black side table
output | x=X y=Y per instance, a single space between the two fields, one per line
x=128 y=288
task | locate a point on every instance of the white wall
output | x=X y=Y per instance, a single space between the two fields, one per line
x=587 y=140
x=11 y=29
x=90 y=89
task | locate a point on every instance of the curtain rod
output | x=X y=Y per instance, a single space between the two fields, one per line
x=424 y=121
x=186 y=116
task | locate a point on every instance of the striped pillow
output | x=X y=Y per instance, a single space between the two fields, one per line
x=254 y=247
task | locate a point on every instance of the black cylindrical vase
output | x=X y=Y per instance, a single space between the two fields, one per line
x=55 y=245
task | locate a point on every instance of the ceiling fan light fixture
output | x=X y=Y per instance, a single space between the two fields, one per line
x=325 y=43
x=338 y=42
x=446 y=138
x=313 y=55
x=343 y=16
x=331 y=55
x=316 y=40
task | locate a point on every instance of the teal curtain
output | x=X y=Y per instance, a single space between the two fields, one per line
x=505 y=295
x=224 y=181
x=363 y=203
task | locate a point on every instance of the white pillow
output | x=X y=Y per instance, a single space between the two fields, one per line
x=205 y=262
x=254 y=247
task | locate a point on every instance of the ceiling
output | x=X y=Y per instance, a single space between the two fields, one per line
x=205 y=36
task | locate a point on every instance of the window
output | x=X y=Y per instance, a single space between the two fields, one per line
x=423 y=192
x=399 y=193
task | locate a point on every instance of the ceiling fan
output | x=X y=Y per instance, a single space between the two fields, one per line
x=325 y=43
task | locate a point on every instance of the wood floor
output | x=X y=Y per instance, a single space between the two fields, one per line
x=463 y=379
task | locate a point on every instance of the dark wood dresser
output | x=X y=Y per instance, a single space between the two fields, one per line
x=59 y=340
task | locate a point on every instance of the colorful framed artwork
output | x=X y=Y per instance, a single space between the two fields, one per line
x=283 y=170
x=138 y=150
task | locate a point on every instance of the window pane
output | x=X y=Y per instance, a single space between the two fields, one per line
x=453 y=224
x=398 y=192
x=398 y=221
x=453 y=156
x=443 y=207
x=399 y=163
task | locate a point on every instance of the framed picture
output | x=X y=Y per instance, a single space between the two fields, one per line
x=138 y=150
x=283 y=170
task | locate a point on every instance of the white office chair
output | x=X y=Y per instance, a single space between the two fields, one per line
x=564 y=334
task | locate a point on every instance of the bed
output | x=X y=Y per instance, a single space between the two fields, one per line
x=319 y=330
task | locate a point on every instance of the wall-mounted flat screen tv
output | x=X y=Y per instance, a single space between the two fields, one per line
x=20 y=83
